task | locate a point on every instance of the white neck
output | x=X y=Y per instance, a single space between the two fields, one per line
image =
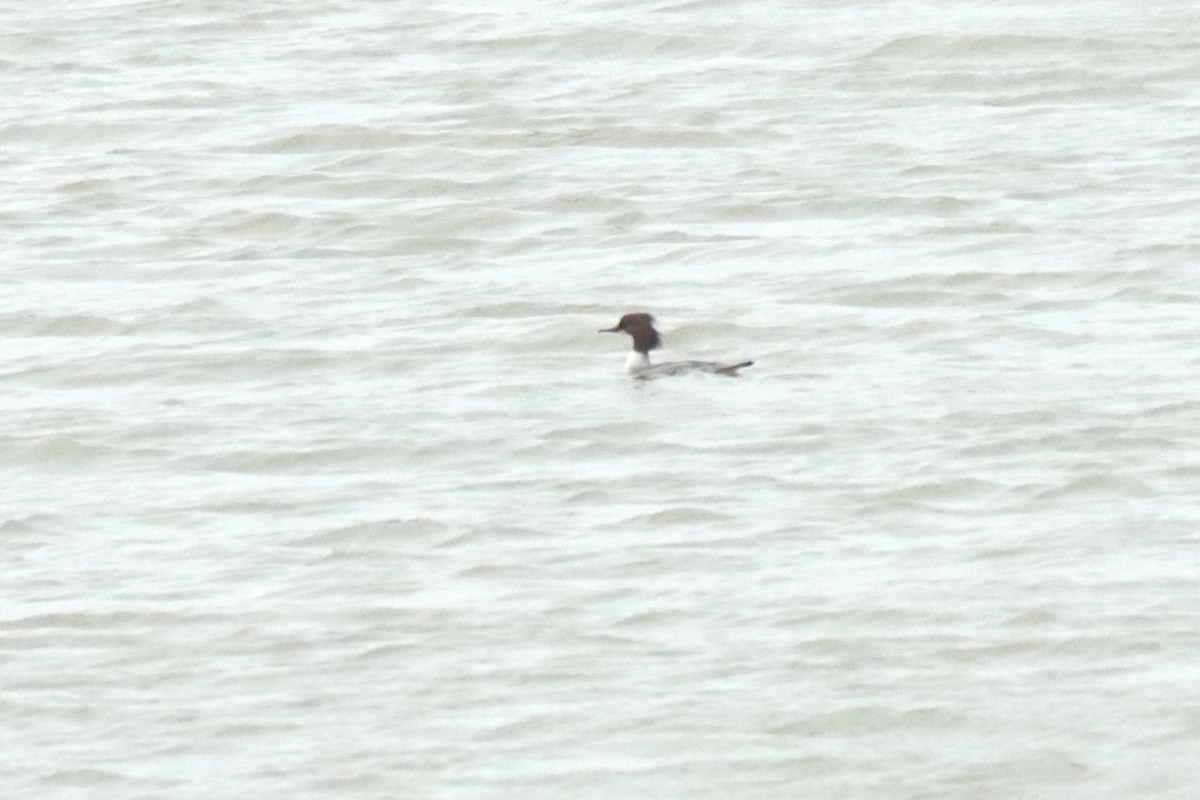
x=636 y=362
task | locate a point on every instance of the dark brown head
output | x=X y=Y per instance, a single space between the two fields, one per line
x=641 y=327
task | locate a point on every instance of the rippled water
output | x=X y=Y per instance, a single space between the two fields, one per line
x=318 y=481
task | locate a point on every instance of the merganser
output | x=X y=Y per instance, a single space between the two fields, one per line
x=645 y=338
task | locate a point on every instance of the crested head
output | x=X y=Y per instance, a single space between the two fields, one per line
x=640 y=326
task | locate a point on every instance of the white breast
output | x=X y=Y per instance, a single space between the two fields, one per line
x=636 y=362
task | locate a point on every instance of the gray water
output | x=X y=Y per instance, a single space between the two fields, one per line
x=317 y=481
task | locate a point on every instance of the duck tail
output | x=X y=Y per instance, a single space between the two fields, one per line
x=732 y=369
